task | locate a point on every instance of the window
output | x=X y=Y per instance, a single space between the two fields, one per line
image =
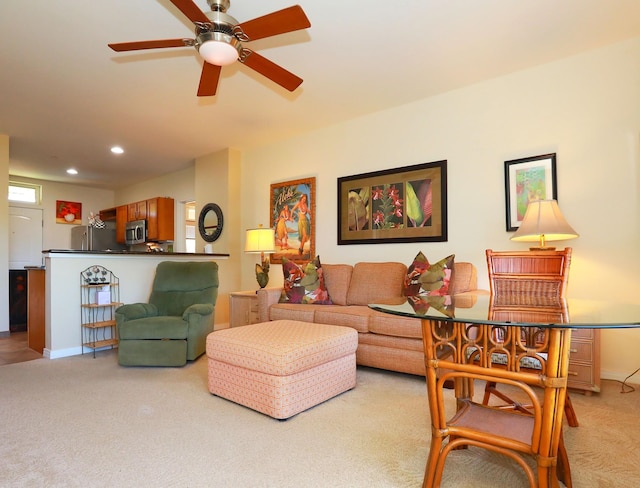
x=24 y=193
x=190 y=226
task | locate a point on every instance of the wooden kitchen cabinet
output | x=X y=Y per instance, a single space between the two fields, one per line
x=122 y=216
x=158 y=212
x=160 y=219
x=107 y=214
x=137 y=211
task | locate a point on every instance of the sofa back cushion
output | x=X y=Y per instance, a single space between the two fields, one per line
x=466 y=278
x=337 y=278
x=375 y=282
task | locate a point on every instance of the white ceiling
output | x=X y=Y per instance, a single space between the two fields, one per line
x=66 y=98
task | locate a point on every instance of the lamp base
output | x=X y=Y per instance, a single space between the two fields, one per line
x=542 y=248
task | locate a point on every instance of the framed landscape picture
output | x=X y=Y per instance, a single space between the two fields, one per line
x=406 y=204
x=293 y=220
x=526 y=180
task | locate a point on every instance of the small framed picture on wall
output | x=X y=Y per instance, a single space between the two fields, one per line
x=526 y=180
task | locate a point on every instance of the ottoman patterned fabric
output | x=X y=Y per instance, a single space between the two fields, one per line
x=283 y=367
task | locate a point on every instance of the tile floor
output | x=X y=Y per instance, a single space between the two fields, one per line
x=14 y=349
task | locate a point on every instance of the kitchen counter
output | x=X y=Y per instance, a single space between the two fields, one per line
x=135 y=272
x=135 y=253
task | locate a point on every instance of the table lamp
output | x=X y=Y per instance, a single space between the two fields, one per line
x=543 y=222
x=261 y=241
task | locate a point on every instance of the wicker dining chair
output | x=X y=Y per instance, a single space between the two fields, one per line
x=469 y=423
x=537 y=274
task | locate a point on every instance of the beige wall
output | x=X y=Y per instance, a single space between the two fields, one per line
x=584 y=108
x=4 y=238
x=218 y=181
x=58 y=236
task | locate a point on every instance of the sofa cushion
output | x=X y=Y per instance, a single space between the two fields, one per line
x=354 y=316
x=304 y=284
x=337 y=278
x=465 y=279
x=395 y=325
x=429 y=279
x=375 y=282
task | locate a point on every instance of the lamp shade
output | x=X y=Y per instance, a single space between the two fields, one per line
x=543 y=221
x=260 y=240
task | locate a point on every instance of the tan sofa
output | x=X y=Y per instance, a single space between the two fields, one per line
x=384 y=341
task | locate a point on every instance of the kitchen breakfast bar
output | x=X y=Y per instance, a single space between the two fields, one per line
x=63 y=268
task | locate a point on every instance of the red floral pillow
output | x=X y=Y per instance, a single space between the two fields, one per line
x=429 y=279
x=304 y=284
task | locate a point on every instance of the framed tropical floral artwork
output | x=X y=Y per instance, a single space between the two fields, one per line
x=407 y=204
x=68 y=212
x=525 y=180
x=293 y=220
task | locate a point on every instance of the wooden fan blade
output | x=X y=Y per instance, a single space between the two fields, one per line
x=275 y=73
x=135 y=46
x=190 y=10
x=285 y=20
x=209 y=80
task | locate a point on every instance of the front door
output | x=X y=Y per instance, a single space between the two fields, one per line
x=25 y=237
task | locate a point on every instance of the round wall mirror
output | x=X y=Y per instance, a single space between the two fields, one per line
x=210 y=222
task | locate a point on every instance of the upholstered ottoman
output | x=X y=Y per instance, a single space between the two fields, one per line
x=283 y=367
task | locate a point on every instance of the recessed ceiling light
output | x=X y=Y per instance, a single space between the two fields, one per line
x=72 y=171
x=117 y=150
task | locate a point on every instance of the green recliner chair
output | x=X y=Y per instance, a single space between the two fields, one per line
x=172 y=328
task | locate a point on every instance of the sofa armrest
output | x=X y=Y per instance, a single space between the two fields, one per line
x=266 y=298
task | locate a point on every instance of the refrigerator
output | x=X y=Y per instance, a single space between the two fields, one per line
x=87 y=238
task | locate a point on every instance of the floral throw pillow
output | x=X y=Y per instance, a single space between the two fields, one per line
x=429 y=279
x=304 y=283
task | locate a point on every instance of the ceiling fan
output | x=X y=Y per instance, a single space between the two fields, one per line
x=219 y=39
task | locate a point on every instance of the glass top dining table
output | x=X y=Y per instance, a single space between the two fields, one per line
x=517 y=326
x=521 y=310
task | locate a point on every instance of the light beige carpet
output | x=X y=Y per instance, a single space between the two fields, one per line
x=80 y=422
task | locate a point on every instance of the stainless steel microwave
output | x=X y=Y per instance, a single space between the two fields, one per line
x=135 y=232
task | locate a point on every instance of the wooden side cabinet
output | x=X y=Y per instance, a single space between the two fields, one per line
x=584 y=360
x=243 y=308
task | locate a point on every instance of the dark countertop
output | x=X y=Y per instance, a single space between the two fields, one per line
x=133 y=253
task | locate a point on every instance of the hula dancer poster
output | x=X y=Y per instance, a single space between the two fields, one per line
x=293 y=215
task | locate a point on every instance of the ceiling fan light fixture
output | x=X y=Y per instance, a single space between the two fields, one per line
x=218 y=48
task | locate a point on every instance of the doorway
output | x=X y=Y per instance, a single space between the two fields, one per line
x=25 y=237
x=25 y=249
